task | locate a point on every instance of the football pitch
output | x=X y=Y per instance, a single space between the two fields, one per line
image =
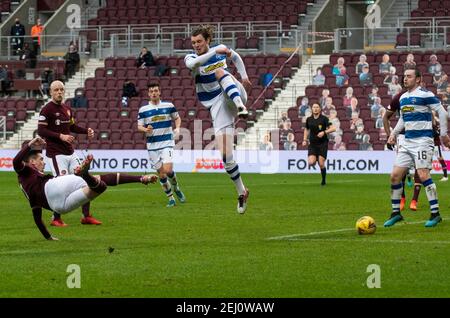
x=297 y=239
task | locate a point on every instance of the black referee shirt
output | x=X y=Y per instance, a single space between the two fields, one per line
x=315 y=126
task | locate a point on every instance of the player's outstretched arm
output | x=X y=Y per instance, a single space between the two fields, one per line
x=37 y=215
x=193 y=62
x=237 y=60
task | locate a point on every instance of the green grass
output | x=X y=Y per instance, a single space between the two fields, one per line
x=204 y=248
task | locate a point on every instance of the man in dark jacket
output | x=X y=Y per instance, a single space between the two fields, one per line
x=72 y=61
x=18 y=32
x=145 y=59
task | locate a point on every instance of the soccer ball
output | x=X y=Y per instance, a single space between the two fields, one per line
x=366 y=225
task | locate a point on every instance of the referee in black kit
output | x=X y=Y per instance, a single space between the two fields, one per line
x=316 y=130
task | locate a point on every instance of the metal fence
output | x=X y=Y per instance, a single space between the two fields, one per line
x=424 y=36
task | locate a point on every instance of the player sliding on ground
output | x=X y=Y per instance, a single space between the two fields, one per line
x=223 y=95
x=416 y=107
x=66 y=193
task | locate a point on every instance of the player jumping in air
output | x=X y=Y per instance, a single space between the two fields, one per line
x=223 y=95
x=316 y=132
x=61 y=194
x=155 y=120
x=416 y=107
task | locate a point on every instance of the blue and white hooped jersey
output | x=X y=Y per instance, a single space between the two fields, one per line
x=206 y=84
x=416 y=113
x=160 y=118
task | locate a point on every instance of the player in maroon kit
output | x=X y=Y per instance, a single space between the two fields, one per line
x=56 y=123
x=64 y=193
x=394 y=107
x=437 y=147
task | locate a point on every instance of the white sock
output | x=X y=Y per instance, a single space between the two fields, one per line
x=430 y=190
x=232 y=169
x=166 y=187
x=230 y=88
x=396 y=195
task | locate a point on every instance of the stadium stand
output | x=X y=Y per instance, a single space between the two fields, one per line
x=117 y=125
x=377 y=137
x=431 y=18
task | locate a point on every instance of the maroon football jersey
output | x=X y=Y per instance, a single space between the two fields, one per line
x=31 y=181
x=54 y=120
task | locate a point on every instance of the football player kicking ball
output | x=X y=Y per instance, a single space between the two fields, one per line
x=62 y=194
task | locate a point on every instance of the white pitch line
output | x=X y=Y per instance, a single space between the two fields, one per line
x=291 y=236
x=369 y=241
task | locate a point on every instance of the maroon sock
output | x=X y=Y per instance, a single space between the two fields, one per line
x=444 y=167
x=416 y=192
x=85 y=208
x=94 y=184
x=113 y=179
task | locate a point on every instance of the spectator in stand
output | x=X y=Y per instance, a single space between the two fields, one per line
x=373 y=95
x=340 y=65
x=394 y=86
x=446 y=97
x=375 y=108
x=354 y=108
x=285 y=131
x=4 y=80
x=338 y=143
x=290 y=144
x=47 y=77
x=437 y=74
x=359 y=134
x=308 y=113
x=361 y=64
x=379 y=122
x=410 y=63
x=346 y=100
x=365 y=78
x=36 y=33
x=342 y=78
x=333 y=117
x=145 y=58
x=328 y=107
x=266 y=144
x=365 y=144
x=385 y=65
x=318 y=78
x=303 y=107
x=388 y=78
x=442 y=84
x=355 y=122
x=338 y=132
x=28 y=56
x=433 y=65
x=72 y=59
x=128 y=91
x=323 y=98
x=284 y=118
x=18 y=33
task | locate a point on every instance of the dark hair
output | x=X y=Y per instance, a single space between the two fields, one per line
x=30 y=153
x=154 y=84
x=416 y=72
x=204 y=29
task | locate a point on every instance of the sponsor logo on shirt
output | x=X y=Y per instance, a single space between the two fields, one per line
x=213 y=67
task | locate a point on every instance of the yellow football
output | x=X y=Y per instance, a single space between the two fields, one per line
x=366 y=225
